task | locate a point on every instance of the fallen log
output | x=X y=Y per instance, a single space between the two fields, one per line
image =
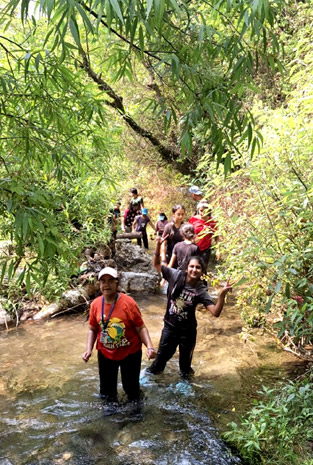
x=132 y=235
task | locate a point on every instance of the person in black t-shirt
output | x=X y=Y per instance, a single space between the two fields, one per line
x=182 y=251
x=185 y=291
x=172 y=233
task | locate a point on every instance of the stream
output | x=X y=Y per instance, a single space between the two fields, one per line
x=51 y=412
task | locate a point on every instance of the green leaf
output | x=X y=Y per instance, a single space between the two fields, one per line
x=85 y=17
x=227 y=164
x=287 y=290
x=240 y=282
x=116 y=8
x=3 y=270
x=41 y=245
x=269 y=304
x=175 y=66
x=278 y=287
x=27 y=282
x=148 y=9
x=25 y=225
x=10 y=270
x=175 y=6
x=141 y=39
x=74 y=31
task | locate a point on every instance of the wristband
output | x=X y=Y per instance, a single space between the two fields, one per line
x=151 y=348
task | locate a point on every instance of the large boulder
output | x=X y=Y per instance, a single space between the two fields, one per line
x=139 y=282
x=130 y=257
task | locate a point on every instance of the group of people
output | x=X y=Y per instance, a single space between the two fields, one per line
x=181 y=256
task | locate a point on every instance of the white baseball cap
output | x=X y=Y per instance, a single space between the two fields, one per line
x=108 y=270
x=195 y=190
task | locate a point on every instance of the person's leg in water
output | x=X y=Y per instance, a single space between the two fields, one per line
x=167 y=348
x=130 y=373
x=108 y=370
x=187 y=344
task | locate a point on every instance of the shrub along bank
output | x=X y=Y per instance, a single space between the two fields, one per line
x=265 y=211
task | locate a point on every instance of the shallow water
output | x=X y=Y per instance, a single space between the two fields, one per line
x=51 y=412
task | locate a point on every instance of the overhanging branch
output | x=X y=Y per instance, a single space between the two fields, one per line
x=168 y=154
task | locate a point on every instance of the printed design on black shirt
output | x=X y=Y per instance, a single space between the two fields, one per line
x=182 y=304
x=113 y=336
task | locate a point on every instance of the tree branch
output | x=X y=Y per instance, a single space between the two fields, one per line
x=168 y=154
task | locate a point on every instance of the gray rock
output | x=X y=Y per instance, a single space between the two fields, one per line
x=130 y=257
x=139 y=282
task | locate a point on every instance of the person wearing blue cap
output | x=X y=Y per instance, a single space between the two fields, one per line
x=160 y=224
x=140 y=225
x=196 y=195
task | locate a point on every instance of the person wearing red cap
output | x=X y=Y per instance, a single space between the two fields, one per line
x=115 y=322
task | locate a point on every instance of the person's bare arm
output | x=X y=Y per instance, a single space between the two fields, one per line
x=172 y=261
x=144 y=335
x=163 y=251
x=91 y=339
x=157 y=253
x=218 y=307
x=152 y=225
x=123 y=223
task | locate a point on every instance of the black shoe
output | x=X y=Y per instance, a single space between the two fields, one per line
x=153 y=371
x=187 y=376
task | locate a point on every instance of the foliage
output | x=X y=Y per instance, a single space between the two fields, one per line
x=57 y=162
x=200 y=59
x=278 y=429
x=265 y=212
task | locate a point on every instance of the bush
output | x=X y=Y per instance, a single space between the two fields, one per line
x=279 y=429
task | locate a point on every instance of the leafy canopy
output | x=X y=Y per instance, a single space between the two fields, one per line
x=204 y=54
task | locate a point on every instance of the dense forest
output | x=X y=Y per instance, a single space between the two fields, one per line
x=99 y=96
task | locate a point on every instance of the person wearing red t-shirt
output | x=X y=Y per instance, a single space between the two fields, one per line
x=205 y=229
x=116 y=324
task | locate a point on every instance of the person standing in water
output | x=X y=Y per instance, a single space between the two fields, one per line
x=116 y=324
x=185 y=291
x=172 y=233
